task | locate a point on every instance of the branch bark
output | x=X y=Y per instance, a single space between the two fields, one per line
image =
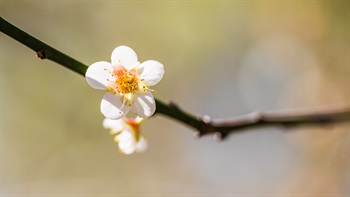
x=202 y=124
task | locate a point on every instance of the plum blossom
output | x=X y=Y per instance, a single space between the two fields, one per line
x=127 y=134
x=127 y=83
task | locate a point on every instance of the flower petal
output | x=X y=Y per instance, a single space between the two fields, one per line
x=111 y=106
x=127 y=147
x=125 y=136
x=141 y=145
x=151 y=71
x=124 y=56
x=115 y=125
x=98 y=73
x=144 y=105
x=126 y=142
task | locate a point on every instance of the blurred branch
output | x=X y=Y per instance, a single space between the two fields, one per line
x=204 y=125
x=287 y=118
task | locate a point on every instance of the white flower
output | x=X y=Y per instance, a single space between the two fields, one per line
x=127 y=83
x=128 y=135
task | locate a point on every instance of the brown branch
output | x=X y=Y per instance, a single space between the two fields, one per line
x=204 y=125
x=221 y=128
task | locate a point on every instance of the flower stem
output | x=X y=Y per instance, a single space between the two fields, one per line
x=204 y=125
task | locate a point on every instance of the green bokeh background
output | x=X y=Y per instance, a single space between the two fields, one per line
x=221 y=58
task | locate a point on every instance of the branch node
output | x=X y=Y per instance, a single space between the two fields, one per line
x=218 y=136
x=257 y=116
x=41 y=54
x=206 y=119
x=197 y=134
x=173 y=105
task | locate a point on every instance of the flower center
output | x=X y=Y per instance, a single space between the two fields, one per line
x=126 y=84
x=126 y=81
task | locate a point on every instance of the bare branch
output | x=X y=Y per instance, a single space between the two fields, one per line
x=221 y=128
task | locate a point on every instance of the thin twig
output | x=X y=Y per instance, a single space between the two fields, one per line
x=203 y=125
x=287 y=118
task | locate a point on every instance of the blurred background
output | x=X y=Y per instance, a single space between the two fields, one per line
x=222 y=59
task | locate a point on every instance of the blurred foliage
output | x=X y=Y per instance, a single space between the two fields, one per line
x=222 y=58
